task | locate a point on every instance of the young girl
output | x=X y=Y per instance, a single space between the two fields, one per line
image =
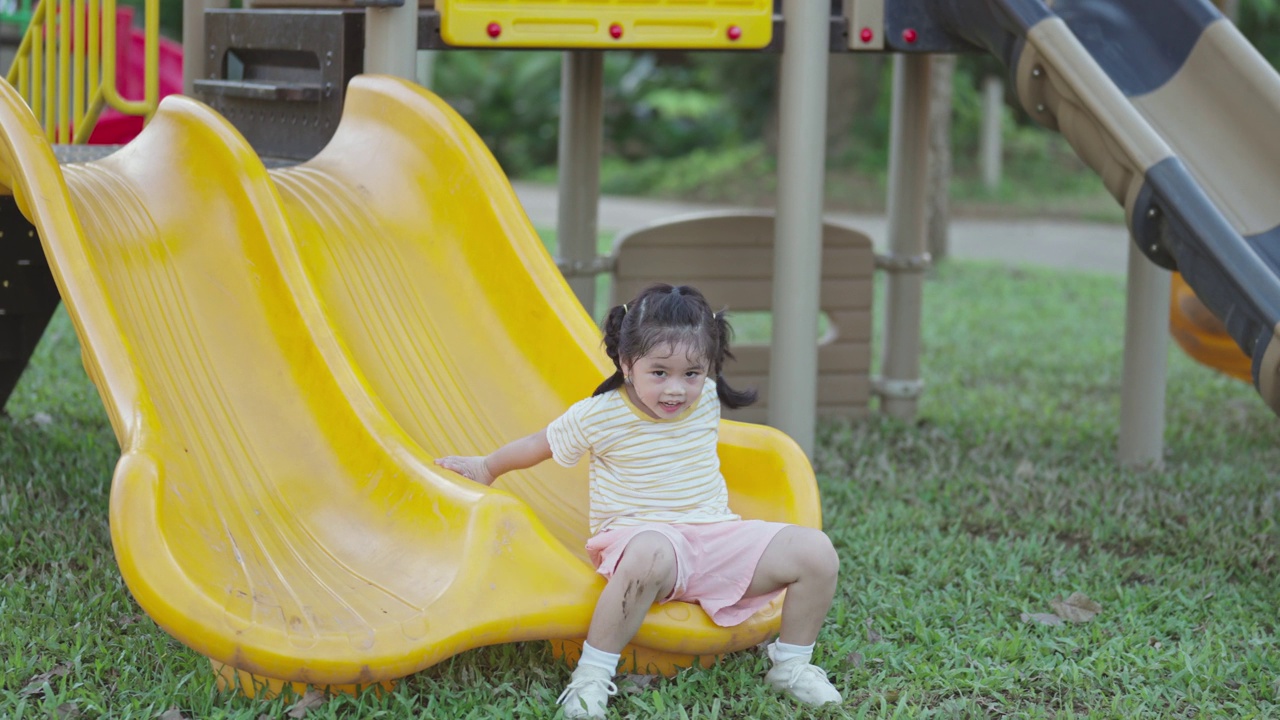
x=659 y=514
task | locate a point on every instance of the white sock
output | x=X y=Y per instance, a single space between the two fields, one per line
x=600 y=659
x=783 y=652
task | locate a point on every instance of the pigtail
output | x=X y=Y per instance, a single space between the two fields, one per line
x=733 y=399
x=730 y=398
x=612 y=333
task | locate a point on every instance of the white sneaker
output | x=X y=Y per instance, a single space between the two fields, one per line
x=802 y=681
x=588 y=692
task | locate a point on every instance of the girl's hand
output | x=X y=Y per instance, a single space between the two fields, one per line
x=470 y=467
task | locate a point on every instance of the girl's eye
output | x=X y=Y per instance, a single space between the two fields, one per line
x=692 y=374
x=660 y=373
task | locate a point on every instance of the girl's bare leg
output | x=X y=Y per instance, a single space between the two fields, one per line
x=803 y=561
x=646 y=572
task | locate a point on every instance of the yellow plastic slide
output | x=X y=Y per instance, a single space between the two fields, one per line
x=283 y=354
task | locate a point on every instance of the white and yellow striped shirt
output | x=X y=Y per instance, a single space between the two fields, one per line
x=644 y=469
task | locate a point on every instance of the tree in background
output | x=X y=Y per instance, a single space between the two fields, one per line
x=657 y=105
x=512 y=99
x=941 y=104
x=853 y=89
x=1259 y=20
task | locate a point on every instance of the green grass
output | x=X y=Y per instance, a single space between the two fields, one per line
x=1002 y=495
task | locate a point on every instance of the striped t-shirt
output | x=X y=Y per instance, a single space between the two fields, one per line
x=644 y=469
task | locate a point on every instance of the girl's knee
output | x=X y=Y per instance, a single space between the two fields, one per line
x=817 y=556
x=649 y=558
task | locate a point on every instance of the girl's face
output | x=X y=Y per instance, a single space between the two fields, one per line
x=666 y=381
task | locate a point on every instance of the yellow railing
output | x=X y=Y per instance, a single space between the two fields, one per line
x=66 y=66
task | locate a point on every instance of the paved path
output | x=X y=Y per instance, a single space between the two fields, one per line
x=1083 y=246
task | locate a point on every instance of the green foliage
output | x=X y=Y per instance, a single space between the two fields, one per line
x=512 y=99
x=655 y=110
x=731 y=173
x=1260 y=22
x=869 y=152
x=170 y=16
x=656 y=105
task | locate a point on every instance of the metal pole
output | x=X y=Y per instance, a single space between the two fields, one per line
x=195 y=55
x=1146 y=354
x=391 y=40
x=581 y=143
x=797 y=257
x=899 y=387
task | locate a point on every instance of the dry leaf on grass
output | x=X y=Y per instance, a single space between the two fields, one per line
x=872 y=635
x=313 y=699
x=1077 y=608
x=172 y=714
x=68 y=711
x=854 y=659
x=632 y=683
x=1042 y=618
x=35 y=686
x=1025 y=470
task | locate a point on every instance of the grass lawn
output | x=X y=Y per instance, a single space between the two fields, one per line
x=1000 y=498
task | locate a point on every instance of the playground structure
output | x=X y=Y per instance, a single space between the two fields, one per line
x=114 y=126
x=729 y=256
x=282 y=516
x=1097 y=123
x=88 y=75
x=91 y=76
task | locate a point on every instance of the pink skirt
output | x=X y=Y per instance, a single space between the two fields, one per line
x=714 y=563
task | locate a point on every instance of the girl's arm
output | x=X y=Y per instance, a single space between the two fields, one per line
x=516 y=455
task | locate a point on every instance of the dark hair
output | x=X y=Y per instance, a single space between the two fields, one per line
x=670 y=315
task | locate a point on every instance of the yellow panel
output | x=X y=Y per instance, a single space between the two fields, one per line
x=282 y=355
x=623 y=24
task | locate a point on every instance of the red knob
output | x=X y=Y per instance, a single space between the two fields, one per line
x=615 y=31
x=494 y=29
x=866 y=35
x=734 y=32
x=909 y=35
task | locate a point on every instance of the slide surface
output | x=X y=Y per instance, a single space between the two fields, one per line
x=282 y=355
x=1177 y=112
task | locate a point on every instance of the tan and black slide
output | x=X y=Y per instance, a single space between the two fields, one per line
x=1177 y=113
